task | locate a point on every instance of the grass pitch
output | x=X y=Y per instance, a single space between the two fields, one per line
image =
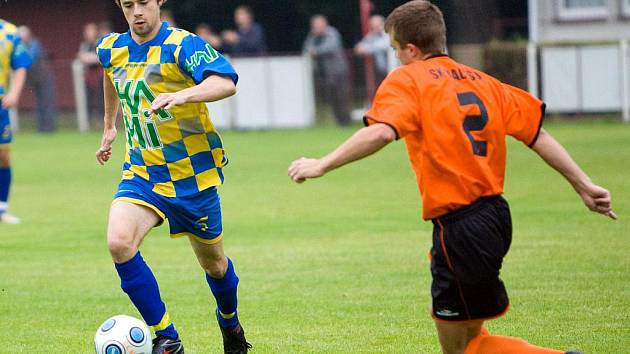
x=336 y=265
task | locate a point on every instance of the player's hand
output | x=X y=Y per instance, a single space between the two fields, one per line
x=10 y=100
x=304 y=168
x=167 y=101
x=105 y=151
x=598 y=200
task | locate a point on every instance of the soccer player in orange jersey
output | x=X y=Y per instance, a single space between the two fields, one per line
x=454 y=120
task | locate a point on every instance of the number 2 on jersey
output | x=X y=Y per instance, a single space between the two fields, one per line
x=473 y=122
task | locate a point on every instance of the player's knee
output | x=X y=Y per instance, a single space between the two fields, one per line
x=120 y=247
x=215 y=266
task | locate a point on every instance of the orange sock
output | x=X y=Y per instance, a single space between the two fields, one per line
x=487 y=344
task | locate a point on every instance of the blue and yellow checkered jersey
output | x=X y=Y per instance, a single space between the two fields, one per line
x=178 y=150
x=13 y=55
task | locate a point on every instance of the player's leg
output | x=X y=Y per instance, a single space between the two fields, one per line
x=198 y=217
x=472 y=338
x=5 y=167
x=468 y=250
x=5 y=177
x=454 y=337
x=489 y=344
x=221 y=278
x=223 y=282
x=128 y=224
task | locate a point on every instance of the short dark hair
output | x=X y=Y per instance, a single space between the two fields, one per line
x=418 y=22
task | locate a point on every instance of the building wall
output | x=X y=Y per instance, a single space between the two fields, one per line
x=614 y=26
x=59 y=25
x=582 y=65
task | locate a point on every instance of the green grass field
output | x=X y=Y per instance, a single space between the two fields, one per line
x=336 y=265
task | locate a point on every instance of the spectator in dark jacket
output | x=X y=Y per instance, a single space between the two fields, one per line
x=93 y=73
x=250 y=39
x=324 y=45
x=40 y=77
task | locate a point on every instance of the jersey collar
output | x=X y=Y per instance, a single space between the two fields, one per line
x=159 y=38
x=436 y=55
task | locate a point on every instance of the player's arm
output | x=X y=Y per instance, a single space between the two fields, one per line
x=394 y=114
x=111 y=103
x=595 y=197
x=12 y=98
x=363 y=143
x=213 y=88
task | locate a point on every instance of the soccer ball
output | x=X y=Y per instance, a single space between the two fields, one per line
x=123 y=335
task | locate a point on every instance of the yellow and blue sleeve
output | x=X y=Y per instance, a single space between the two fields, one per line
x=20 y=57
x=199 y=60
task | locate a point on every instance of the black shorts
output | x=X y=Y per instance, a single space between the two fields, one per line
x=468 y=249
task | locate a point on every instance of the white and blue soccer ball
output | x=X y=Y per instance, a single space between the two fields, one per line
x=123 y=334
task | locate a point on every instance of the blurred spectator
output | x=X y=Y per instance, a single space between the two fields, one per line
x=206 y=33
x=167 y=16
x=93 y=73
x=104 y=28
x=324 y=45
x=375 y=44
x=40 y=77
x=250 y=39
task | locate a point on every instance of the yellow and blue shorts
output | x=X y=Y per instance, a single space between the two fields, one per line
x=5 y=127
x=197 y=215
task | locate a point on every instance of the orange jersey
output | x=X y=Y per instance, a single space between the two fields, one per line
x=454 y=120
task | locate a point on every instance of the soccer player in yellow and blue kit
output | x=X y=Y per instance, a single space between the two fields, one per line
x=14 y=60
x=162 y=77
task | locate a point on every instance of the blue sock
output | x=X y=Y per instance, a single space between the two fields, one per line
x=137 y=280
x=5 y=184
x=224 y=291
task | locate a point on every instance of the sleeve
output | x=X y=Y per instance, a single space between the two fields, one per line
x=86 y=46
x=396 y=104
x=199 y=60
x=523 y=114
x=103 y=54
x=20 y=57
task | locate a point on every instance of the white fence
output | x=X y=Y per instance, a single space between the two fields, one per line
x=273 y=92
x=586 y=78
